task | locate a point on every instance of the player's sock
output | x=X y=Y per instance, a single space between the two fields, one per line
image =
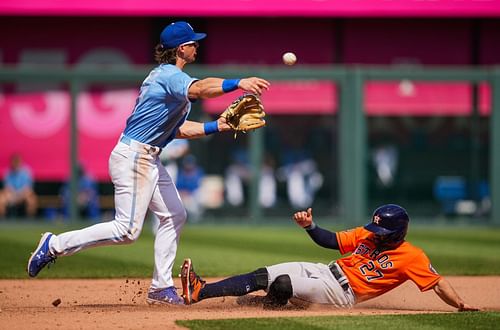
x=236 y=286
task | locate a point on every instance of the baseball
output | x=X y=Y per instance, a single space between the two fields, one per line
x=289 y=58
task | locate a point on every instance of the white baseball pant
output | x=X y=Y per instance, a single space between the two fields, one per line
x=313 y=283
x=140 y=182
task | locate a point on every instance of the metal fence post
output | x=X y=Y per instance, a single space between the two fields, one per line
x=495 y=148
x=74 y=89
x=352 y=148
x=256 y=151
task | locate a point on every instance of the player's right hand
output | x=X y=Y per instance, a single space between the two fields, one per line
x=254 y=85
x=304 y=218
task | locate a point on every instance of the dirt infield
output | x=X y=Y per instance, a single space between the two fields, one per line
x=120 y=303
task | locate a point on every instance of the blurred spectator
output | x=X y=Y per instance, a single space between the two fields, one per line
x=87 y=196
x=484 y=198
x=385 y=160
x=171 y=154
x=188 y=184
x=239 y=173
x=301 y=174
x=18 y=189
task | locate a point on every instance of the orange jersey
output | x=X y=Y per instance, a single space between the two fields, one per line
x=372 y=273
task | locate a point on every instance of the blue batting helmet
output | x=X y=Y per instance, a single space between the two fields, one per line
x=391 y=222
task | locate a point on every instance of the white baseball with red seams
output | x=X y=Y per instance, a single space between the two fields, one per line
x=289 y=58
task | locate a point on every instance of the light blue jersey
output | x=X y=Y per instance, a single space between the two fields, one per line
x=19 y=179
x=162 y=106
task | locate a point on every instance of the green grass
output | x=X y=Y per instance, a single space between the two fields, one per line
x=227 y=250
x=482 y=320
x=221 y=250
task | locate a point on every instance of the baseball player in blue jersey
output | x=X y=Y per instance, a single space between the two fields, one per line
x=140 y=180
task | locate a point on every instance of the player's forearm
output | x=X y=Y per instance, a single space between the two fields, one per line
x=446 y=292
x=323 y=237
x=212 y=87
x=320 y=236
x=190 y=130
x=193 y=129
x=206 y=88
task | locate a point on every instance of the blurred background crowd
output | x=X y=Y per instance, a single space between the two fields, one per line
x=427 y=143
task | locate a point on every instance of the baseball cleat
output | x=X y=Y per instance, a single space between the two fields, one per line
x=191 y=283
x=41 y=256
x=167 y=296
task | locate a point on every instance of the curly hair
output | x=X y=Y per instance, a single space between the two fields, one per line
x=165 y=55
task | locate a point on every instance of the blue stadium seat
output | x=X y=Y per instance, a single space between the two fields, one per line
x=448 y=190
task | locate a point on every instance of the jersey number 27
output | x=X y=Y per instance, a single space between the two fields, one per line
x=370 y=267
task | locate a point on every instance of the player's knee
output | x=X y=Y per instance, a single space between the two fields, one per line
x=132 y=235
x=282 y=286
x=177 y=216
x=261 y=278
x=181 y=216
x=280 y=290
x=126 y=235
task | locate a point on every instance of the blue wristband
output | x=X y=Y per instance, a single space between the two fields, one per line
x=210 y=127
x=229 y=85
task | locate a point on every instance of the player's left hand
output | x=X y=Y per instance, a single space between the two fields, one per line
x=467 y=308
x=222 y=125
x=303 y=218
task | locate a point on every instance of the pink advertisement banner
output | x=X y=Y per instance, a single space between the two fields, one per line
x=410 y=98
x=37 y=124
x=275 y=8
x=394 y=98
x=288 y=98
x=35 y=116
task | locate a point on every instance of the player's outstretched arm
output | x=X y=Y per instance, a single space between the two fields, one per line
x=320 y=236
x=213 y=87
x=446 y=292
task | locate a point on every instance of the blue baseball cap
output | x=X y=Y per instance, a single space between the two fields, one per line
x=179 y=33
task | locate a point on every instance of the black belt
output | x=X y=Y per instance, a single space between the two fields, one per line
x=339 y=277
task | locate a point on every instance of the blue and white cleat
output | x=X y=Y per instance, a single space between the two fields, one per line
x=164 y=296
x=41 y=256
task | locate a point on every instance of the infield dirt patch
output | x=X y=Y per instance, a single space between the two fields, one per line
x=121 y=303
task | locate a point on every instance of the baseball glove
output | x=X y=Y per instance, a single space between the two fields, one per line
x=246 y=113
